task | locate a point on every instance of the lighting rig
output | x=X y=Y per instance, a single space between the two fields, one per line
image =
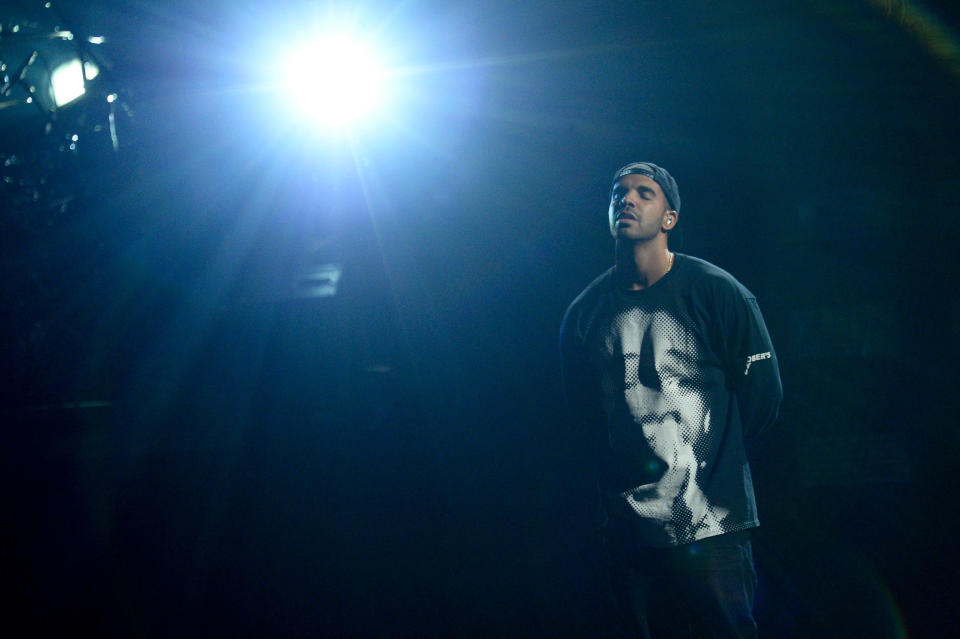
x=60 y=115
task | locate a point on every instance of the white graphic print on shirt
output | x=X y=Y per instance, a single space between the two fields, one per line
x=653 y=369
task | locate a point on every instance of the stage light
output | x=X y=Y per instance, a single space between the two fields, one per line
x=67 y=80
x=336 y=80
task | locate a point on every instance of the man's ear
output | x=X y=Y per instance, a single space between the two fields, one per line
x=670 y=220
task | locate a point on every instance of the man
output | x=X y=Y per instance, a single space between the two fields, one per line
x=669 y=370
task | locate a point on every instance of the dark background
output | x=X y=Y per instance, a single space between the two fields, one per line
x=190 y=448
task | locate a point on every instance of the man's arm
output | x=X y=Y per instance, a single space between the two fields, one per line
x=582 y=403
x=752 y=369
x=586 y=424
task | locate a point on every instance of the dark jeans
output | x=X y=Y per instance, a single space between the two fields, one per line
x=698 y=591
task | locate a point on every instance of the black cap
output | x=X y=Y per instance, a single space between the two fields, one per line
x=659 y=175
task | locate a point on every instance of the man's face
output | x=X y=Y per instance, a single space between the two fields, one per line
x=638 y=208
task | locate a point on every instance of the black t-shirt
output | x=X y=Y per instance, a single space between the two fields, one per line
x=668 y=381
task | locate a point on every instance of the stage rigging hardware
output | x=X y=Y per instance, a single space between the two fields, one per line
x=64 y=127
x=59 y=112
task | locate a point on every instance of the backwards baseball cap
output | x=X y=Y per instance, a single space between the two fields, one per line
x=659 y=175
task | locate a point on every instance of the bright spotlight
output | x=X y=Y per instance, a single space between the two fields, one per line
x=67 y=80
x=336 y=81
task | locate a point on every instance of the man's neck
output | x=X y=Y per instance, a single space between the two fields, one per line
x=639 y=265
